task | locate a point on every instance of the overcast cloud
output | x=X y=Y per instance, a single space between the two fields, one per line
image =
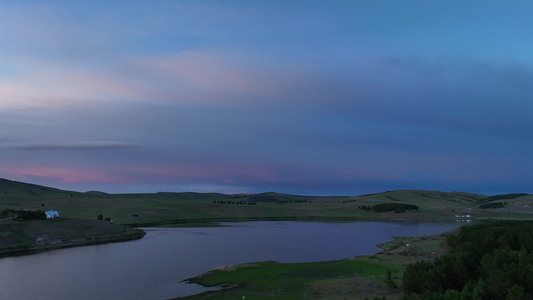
x=313 y=97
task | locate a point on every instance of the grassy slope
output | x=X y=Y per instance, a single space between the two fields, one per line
x=39 y=235
x=164 y=208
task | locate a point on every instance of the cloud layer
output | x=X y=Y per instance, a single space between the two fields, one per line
x=336 y=98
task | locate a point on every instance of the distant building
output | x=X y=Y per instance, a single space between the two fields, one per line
x=51 y=214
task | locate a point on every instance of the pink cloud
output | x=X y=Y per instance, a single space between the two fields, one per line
x=208 y=72
x=216 y=172
x=52 y=86
x=186 y=77
x=217 y=78
x=348 y=174
x=65 y=175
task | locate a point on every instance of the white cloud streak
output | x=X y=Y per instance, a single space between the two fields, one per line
x=80 y=145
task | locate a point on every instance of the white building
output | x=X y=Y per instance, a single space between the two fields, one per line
x=52 y=214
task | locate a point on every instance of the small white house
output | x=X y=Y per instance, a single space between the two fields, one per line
x=51 y=214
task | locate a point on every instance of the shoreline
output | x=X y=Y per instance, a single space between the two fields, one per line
x=30 y=237
x=214 y=222
x=393 y=256
x=33 y=250
x=44 y=240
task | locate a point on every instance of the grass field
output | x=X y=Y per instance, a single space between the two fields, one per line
x=355 y=278
x=160 y=209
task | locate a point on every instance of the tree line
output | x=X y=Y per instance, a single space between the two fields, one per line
x=23 y=214
x=485 y=261
x=234 y=202
x=385 y=207
x=493 y=205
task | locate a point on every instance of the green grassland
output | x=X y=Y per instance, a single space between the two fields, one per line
x=355 y=278
x=267 y=280
x=160 y=209
x=28 y=236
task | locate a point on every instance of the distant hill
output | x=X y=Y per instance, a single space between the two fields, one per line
x=283 y=198
x=163 y=208
x=419 y=195
x=15 y=188
x=504 y=197
x=177 y=196
x=96 y=194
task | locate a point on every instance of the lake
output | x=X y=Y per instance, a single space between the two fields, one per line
x=154 y=266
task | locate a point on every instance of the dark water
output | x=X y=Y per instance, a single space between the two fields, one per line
x=152 y=268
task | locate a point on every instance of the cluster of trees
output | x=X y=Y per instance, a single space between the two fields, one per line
x=293 y=201
x=101 y=218
x=486 y=261
x=493 y=205
x=24 y=214
x=234 y=202
x=365 y=207
x=503 y=197
x=385 y=207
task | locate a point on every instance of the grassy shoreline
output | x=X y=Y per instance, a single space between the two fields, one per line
x=28 y=237
x=214 y=222
x=357 y=278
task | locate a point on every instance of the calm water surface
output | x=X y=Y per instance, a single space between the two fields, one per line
x=152 y=268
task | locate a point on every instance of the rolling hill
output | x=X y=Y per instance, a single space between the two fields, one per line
x=164 y=208
x=10 y=187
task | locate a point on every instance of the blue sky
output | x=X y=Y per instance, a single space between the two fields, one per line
x=303 y=97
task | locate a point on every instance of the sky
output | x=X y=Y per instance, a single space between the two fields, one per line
x=301 y=97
